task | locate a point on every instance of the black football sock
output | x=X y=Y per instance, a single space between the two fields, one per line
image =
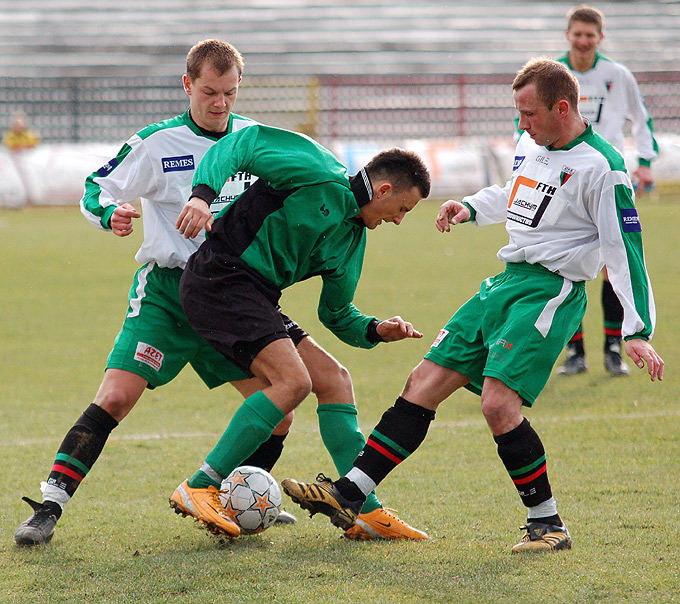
x=522 y=453
x=80 y=448
x=268 y=453
x=398 y=434
x=613 y=315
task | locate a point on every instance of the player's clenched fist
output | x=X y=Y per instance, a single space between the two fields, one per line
x=121 y=220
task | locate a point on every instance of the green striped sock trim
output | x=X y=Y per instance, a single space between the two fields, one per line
x=74 y=462
x=375 y=434
x=525 y=469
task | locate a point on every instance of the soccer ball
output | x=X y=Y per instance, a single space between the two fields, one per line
x=252 y=498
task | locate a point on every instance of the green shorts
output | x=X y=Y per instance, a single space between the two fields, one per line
x=156 y=341
x=513 y=330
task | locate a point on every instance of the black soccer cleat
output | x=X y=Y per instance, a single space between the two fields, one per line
x=614 y=363
x=323 y=497
x=39 y=527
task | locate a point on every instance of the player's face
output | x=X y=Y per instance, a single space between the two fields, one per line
x=388 y=205
x=212 y=97
x=542 y=124
x=583 y=38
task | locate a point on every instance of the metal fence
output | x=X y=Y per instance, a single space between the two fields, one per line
x=376 y=108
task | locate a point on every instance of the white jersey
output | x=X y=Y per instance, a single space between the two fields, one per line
x=571 y=210
x=610 y=96
x=157 y=165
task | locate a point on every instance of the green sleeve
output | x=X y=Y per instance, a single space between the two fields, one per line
x=336 y=311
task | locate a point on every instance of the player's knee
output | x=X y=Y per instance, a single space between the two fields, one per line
x=500 y=416
x=299 y=386
x=334 y=384
x=117 y=402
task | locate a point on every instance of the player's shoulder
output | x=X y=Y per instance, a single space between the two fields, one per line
x=238 y=122
x=610 y=66
x=174 y=122
x=599 y=148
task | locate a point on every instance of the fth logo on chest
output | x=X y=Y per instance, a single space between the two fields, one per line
x=178 y=164
x=529 y=200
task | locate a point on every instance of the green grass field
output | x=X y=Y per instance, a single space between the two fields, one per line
x=613 y=445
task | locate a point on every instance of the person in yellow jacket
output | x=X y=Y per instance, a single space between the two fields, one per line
x=20 y=136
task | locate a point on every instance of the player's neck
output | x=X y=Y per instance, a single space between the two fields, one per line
x=582 y=63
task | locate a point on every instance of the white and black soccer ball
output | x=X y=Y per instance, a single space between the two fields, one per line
x=252 y=497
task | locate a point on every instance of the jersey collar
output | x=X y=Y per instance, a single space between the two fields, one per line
x=361 y=187
x=202 y=131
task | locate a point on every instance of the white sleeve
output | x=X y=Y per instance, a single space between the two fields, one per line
x=641 y=122
x=490 y=204
x=124 y=178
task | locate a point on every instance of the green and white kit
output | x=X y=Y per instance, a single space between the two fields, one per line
x=157 y=164
x=567 y=212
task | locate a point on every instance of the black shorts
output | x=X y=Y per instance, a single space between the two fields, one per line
x=233 y=307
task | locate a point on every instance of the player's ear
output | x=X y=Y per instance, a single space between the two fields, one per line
x=562 y=106
x=383 y=188
x=186 y=82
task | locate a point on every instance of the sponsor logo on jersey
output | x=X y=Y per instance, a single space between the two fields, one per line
x=542 y=159
x=105 y=170
x=517 y=162
x=630 y=221
x=529 y=200
x=245 y=177
x=234 y=186
x=442 y=334
x=149 y=355
x=324 y=210
x=177 y=164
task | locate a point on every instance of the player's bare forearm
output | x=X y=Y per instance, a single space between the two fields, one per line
x=395 y=329
x=451 y=212
x=642 y=352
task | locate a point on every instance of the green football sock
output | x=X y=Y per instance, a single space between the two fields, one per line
x=251 y=425
x=341 y=435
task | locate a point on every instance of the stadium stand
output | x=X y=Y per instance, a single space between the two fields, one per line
x=143 y=37
x=357 y=74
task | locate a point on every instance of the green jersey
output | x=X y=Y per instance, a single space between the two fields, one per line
x=308 y=226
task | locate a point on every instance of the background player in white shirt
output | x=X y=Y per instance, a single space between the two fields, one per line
x=609 y=97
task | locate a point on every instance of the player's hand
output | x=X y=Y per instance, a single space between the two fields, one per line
x=194 y=217
x=395 y=329
x=451 y=212
x=644 y=178
x=121 y=220
x=642 y=352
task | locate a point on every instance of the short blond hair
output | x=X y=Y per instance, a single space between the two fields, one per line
x=222 y=56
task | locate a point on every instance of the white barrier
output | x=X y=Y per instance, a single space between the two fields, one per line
x=49 y=174
x=55 y=174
